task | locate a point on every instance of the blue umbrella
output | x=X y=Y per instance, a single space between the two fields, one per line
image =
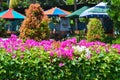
x=98 y=11
x=56 y=12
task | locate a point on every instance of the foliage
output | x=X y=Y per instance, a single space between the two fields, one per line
x=114 y=13
x=4 y=5
x=2 y=22
x=109 y=39
x=88 y=1
x=26 y=3
x=95 y=30
x=116 y=40
x=35 y=25
x=51 y=60
x=70 y=1
x=13 y=3
x=43 y=3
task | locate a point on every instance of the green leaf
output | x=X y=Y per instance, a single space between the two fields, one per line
x=101 y=55
x=119 y=18
x=2 y=71
x=73 y=63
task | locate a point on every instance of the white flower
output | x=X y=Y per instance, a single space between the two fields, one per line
x=79 y=49
x=88 y=53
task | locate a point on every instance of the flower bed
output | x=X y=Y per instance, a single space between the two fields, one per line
x=54 y=60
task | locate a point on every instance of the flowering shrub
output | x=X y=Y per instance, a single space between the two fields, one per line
x=35 y=25
x=95 y=30
x=52 y=60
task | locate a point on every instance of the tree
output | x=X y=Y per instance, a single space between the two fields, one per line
x=83 y=1
x=70 y=1
x=13 y=3
x=114 y=7
x=26 y=3
x=35 y=25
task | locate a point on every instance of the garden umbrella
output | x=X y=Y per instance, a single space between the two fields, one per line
x=98 y=11
x=56 y=12
x=11 y=14
x=76 y=13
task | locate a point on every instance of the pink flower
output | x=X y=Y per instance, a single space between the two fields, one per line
x=22 y=49
x=15 y=48
x=51 y=54
x=13 y=36
x=61 y=64
x=88 y=56
x=64 y=44
x=22 y=56
x=14 y=56
x=93 y=48
x=9 y=50
x=70 y=54
x=97 y=51
x=107 y=50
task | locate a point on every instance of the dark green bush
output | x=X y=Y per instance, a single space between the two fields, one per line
x=108 y=39
x=113 y=11
x=2 y=24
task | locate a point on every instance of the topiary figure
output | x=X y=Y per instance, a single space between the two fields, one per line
x=95 y=30
x=35 y=25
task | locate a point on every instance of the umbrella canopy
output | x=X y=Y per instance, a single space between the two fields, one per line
x=98 y=11
x=11 y=14
x=76 y=13
x=102 y=5
x=56 y=12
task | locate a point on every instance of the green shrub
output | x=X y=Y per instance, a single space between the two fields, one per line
x=116 y=41
x=95 y=30
x=2 y=27
x=2 y=23
x=35 y=25
x=55 y=60
x=113 y=11
x=36 y=64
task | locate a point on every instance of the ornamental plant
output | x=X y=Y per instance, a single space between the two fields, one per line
x=113 y=11
x=35 y=25
x=95 y=30
x=2 y=28
x=51 y=60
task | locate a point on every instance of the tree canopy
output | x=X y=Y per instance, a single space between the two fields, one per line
x=13 y=3
x=26 y=3
x=114 y=7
